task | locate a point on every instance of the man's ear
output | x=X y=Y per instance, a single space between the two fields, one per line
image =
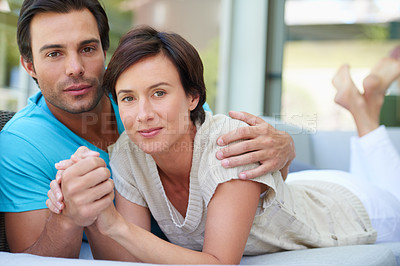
x=28 y=67
x=193 y=101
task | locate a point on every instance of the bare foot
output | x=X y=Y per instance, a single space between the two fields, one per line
x=347 y=94
x=381 y=76
x=395 y=53
x=377 y=83
x=366 y=107
x=350 y=98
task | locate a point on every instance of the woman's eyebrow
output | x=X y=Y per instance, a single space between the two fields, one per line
x=159 y=84
x=151 y=87
x=124 y=91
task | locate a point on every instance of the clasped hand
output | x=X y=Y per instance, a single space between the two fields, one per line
x=82 y=189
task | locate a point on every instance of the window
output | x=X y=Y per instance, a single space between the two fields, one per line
x=323 y=35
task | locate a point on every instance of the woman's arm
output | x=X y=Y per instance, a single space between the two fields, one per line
x=105 y=248
x=230 y=216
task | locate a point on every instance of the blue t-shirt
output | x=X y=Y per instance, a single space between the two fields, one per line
x=30 y=144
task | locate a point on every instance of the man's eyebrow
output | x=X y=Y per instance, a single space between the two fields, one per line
x=85 y=42
x=58 y=46
x=50 y=46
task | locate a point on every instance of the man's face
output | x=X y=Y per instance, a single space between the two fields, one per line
x=68 y=60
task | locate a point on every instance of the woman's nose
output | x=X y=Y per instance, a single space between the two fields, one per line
x=145 y=112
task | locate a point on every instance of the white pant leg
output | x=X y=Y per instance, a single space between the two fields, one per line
x=357 y=160
x=382 y=207
x=374 y=158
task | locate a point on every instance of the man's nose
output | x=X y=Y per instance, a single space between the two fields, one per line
x=74 y=66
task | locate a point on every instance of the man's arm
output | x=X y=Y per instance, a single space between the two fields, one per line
x=262 y=143
x=87 y=191
x=41 y=233
x=60 y=235
x=24 y=180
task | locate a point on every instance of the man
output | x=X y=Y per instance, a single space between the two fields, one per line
x=63 y=45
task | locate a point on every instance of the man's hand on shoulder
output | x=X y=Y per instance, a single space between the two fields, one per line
x=262 y=143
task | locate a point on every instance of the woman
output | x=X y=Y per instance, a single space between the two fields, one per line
x=165 y=164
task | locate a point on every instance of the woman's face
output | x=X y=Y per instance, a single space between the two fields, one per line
x=154 y=107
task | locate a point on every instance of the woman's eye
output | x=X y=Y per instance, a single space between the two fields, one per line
x=159 y=93
x=127 y=99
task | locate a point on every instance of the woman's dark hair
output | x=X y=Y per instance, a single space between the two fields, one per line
x=32 y=7
x=143 y=42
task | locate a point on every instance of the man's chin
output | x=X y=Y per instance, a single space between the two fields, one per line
x=81 y=110
x=82 y=107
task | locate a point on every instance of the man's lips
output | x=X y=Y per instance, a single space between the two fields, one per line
x=149 y=133
x=78 y=89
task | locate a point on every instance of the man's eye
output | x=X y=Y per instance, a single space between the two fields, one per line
x=53 y=54
x=87 y=49
x=159 y=93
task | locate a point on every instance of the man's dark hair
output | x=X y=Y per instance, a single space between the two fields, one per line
x=32 y=7
x=143 y=42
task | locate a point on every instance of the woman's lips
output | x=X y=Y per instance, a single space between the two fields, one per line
x=149 y=133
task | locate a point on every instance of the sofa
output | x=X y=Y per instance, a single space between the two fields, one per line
x=318 y=150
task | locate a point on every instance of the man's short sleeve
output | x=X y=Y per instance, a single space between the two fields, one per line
x=25 y=175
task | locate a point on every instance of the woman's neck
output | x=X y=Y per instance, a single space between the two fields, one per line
x=177 y=162
x=174 y=171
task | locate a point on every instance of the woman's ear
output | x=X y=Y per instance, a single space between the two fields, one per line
x=28 y=67
x=193 y=101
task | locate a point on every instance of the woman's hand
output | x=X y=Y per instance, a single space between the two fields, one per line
x=107 y=221
x=262 y=143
